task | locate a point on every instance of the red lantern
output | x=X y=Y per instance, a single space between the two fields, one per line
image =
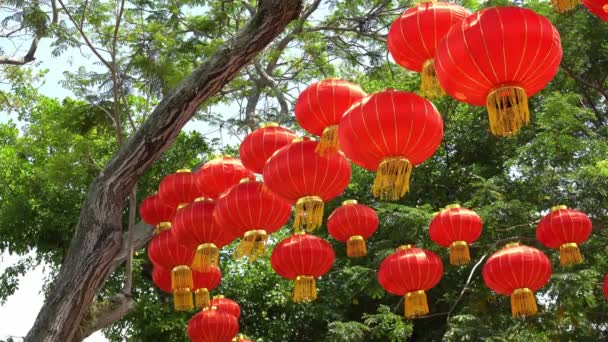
x=303 y=258
x=391 y=132
x=499 y=57
x=226 y=305
x=298 y=174
x=249 y=211
x=353 y=223
x=178 y=189
x=518 y=271
x=320 y=107
x=598 y=7
x=409 y=272
x=456 y=228
x=413 y=37
x=156 y=213
x=220 y=174
x=565 y=229
x=203 y=283
x=605 y=287
x=260 y=144
x=211 y=325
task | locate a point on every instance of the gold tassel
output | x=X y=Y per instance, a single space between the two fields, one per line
x=355 y=247
x=182 y=300
x=429 y=85
x=392 y=178
x=161 y=227
x=305 y=289
x=416 y=304
x=459 y=253
x=563 y=6
x=328 y=144
x=507 y=110
x=523 y=303
x=252 y=245
x=202 y=298
x=309 y=213
x=569 y=254
x=181 y=278
x=206 y=255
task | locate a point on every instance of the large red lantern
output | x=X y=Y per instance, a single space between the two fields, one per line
x=297 y=173
x=178 y=189
x=353 y=223
x=391 y=132
x=413 y=37
x=226 y=305
x=252 y=212
x=157 y=213
x=211 y=325
x=565 y=229
x=598 y=7
x=456 y=228
x=499 y=57
x=320 y=107
x=409 y=272
x=303 y=258
x=517 y=271
x=203 y=283
x=220 y=174
x=260 y=144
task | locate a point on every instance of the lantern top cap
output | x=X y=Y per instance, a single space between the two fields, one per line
x=301 y=232
x=302 y=138
x=512 y=244
x=219 y=297
x=405 y=247
x=452 y=206
x=245 y=180
x=204 y=199
x=558 y=207
x=183 y=171
x=220 y=156
x=269 y=124
x=350 y=201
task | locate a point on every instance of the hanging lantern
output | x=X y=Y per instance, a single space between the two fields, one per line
x=563 y=6
x=353 y=223
x=598 y=7
x=302 y=258
x=260 y=144
x=409 y=272
x=413 y=37
x=456 y=228
x=565 y=229
x=156 y=213
x=179 y=189
x=499 y=57
x=298 y=174
x=203 y=283
x=211 y=325
x=320 y=107
x=226 y=305
x=518 y=271
x=220 y=174
x=249 y=211
x=391 y=132
x=605 y=286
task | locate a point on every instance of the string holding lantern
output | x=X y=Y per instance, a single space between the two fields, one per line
x=179 y=189
x=410 y=272
x=391 y=132
x=598 y=7
x=565 y=229
x=456 y=228
x=226 y=305
x=320 y=107
x=260 y=145
x=203 y=283
x=218 y=175
x=157 y=213
x=499 y=57
x=212 y=325
x=353 y=223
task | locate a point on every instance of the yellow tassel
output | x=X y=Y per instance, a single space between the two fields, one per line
x=207 y=255
x=416 y=304
x=305 y=289
x=569 y=254
x=355 y=247
x=309 y=213
x=202 y=298
x=392 y=179
x=563 y=6
x=507 y=110
x=459 y=253
x=328 y=144
x=181 y=278
x=161 y=227
x=182 y=300
x=429 y=85
x=252 y=245
x=523 y=303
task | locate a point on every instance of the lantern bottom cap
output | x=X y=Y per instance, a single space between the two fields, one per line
x=570 y=254
x=416 y=304
x=508 y=110
x=459 y=253
x=523 y=303
x=252 y=245
x=328 y=144
x=305 y=289
x=356 y=247
x=392 y=180
x=202 y=298
x=429 y=84
x=207 y=255
x=308 y=213
x=182 y=300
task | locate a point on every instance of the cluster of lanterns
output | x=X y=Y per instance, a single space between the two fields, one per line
x=497 y=57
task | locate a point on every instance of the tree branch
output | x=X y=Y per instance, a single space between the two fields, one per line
x=275 y=87
x=584 y=82
x=102 y=314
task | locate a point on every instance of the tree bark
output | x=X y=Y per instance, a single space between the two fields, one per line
x=98 y=237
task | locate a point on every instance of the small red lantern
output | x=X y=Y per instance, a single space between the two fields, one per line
x=353 y=223
x=178 y=189
x=211 y=325
x=203 y=283
x=303 y=258
x=456 y=228
x=260 y=144
x=157 y=213
x=518 y=271
x=565 y=229
x=598 y=7
x=409 y=272
x=226 y=305
x=320 y=107
x=298 y=174
x=220 y=174
x=605 y=286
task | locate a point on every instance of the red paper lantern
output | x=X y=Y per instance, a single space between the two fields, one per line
x=409 y=272
x=157 y=213
x=303 y=258
x=320 y=107
x=353 y=223
x=298 y=174
x=391 y=132
x=598 y=7
x=178 y=189
x=203 y=283
x=211 y=325
x=605 y=286
x=226 y=305
x=499 y=57
x=565 y=229
x=220 y=174
x=260 y=144
x=456 y=228
x=413 y=38
x=250 y=211
x=518 y=271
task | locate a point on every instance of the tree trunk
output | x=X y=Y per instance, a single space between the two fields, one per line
x=98 y=237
